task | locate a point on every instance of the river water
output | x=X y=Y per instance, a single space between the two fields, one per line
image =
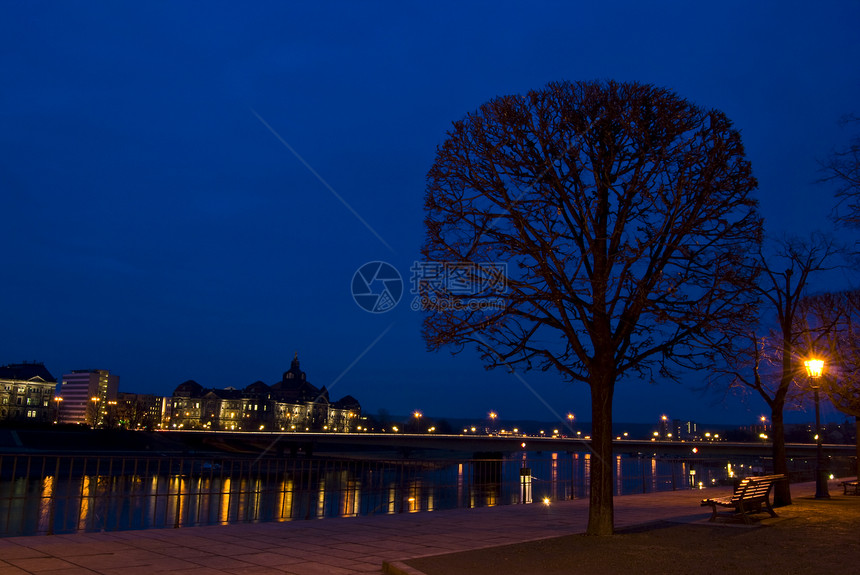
x=64 y=494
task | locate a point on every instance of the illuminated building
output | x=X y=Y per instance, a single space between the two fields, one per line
x=88 y=396
x=291 y=404
x=27 y=393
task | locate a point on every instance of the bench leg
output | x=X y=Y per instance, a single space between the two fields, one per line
x=770 y=509
x=743 y=512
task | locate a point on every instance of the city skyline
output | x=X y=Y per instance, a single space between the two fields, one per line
x=189 y=195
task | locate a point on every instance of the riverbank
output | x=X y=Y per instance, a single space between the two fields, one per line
x=809 y=537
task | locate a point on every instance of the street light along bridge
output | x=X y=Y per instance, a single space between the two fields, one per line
x=404 y=444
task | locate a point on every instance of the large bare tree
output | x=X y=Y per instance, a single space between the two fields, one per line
x=775 y=359
x=624 y=216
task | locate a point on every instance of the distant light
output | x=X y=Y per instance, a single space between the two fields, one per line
x=523 y=445
x=546 y=501
x=695 y=450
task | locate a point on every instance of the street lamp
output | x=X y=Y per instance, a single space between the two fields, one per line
x=492 y=415
x=814 y=368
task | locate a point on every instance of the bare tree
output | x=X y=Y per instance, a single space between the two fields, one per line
x=841 y=381
x=775 y=361
x=842 y=168
x=624 y=217
x=134 y=414
x=93 y=415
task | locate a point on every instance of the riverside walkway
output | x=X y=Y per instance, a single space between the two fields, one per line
x=333 y=546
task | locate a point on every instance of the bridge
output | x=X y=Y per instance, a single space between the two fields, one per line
x=404 y=444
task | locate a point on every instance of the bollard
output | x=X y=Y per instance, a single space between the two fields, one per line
x=525 y=485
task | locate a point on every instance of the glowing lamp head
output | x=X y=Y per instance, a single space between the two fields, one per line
x=814 y=367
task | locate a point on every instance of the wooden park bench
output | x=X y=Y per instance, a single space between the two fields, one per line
x=852 y=487
x=750 y=495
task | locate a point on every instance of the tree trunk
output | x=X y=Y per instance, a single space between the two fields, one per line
x=601 y=514
x=857 y=436
x=781 y=489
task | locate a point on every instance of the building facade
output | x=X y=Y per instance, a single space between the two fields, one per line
x=27 y=393
x=88 y=397
x=291 y=404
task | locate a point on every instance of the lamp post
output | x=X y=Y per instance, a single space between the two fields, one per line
x=96 y=415
x=59 y=402
x=814 y=367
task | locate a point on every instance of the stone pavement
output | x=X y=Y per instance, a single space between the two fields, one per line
x=331 y=546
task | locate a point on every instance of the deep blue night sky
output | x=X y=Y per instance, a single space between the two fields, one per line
x=153 y=225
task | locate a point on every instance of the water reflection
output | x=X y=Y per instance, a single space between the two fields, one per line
x=178 y=493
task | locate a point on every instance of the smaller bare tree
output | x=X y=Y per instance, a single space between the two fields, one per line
x=772 y=362
x=842 y=168
x=841 y=381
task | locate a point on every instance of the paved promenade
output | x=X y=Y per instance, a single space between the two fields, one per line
x=331 y=546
